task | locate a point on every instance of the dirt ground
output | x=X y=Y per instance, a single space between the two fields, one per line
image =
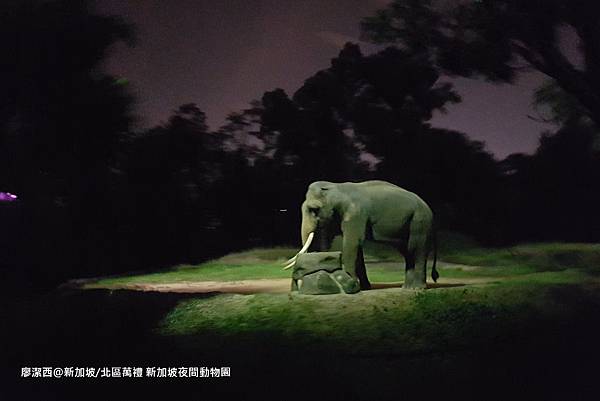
x=273 y=286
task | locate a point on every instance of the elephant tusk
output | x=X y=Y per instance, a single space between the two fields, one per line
x=292 y=261
x=307 y=244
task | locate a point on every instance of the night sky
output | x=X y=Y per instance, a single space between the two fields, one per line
x=223 y=54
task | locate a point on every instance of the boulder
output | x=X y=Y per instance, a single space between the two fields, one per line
x=320 y=273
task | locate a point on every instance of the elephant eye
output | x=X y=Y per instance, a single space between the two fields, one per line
x=314 y=210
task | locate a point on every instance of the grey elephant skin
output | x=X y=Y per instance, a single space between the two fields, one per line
x=373 y=210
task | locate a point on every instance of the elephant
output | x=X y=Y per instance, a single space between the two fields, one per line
x=370 y=210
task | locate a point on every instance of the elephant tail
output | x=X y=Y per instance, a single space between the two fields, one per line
x=434 y=272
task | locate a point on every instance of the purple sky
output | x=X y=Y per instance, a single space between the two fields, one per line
x=223 y=54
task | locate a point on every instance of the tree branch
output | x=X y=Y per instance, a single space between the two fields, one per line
x=549 y=60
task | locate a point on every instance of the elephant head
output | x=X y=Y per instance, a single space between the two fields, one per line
x=320 y=214
x=318 y=217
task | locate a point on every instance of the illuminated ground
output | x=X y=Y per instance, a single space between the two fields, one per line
x=386 y=272
x=516 y=320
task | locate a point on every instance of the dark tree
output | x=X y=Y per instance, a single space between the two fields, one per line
x=365 y=109
x=554 y=193
x=556 y=106
x=498 y=38
x=173 y=192
x=60 y=122
x=382 y=102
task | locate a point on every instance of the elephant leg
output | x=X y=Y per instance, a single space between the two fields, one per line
x=353 y=236
x=361 y=271
x=416 y=263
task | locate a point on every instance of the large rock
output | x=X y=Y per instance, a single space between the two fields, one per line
x=320 y=273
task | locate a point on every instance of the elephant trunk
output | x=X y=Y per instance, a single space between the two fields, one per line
x=306 y=228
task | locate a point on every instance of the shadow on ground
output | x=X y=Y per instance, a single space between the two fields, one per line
x=543 y=358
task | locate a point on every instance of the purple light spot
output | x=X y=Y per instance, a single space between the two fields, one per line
x=7 y=197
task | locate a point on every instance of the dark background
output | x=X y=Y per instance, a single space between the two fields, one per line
x=99 y=193
x=117 y=168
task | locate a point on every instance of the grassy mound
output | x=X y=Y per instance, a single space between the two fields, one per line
x=521 y=319
x=536 y=257
x=487 y=290
x=374 y=322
